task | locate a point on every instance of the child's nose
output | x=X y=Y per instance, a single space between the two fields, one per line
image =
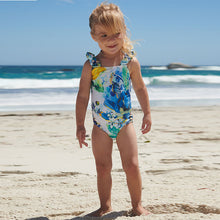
x=112 y=38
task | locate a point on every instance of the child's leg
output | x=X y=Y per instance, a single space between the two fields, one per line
x=102 y=150
x=127 y=145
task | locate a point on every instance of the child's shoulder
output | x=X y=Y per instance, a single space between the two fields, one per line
x=133 y=63
x=87 y=66
x=87 y=63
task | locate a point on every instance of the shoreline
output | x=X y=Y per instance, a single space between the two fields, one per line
x=73 y=110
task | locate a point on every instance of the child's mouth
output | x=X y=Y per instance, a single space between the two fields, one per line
x=112 y=46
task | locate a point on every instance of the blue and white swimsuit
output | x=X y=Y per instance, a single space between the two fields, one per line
x=110 y=93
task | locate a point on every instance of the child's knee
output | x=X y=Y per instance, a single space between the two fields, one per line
x=103 y=168
x=131 y=168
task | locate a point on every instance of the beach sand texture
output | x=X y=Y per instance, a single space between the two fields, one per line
x=45 y=175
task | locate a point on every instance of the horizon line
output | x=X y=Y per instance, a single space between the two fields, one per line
x=157 y=65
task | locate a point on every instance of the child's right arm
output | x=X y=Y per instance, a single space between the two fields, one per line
x=82 y=102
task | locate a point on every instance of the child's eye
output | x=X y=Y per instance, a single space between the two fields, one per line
x=117 y=34
x=104 y=35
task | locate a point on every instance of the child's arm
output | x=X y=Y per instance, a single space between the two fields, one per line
x=82 y=103
x=141 y=92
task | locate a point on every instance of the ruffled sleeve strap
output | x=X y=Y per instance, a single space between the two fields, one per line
x=92 y=59
x=127 y=57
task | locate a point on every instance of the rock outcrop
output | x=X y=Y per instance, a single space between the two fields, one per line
x=179 y=65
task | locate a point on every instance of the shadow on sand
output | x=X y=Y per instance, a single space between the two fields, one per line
x=111 y=215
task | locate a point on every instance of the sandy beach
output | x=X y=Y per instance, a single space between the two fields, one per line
x=45 y=175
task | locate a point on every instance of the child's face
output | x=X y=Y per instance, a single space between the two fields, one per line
x=108 y=42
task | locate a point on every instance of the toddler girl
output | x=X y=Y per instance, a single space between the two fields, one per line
x=109 y=76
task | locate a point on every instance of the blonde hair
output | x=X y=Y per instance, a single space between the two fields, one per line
x=110 y=16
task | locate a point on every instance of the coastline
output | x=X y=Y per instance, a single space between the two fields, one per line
x=44 y=173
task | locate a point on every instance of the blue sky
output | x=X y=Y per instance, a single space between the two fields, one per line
x=56 y=32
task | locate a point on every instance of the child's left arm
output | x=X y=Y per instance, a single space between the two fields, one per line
x=141 y=93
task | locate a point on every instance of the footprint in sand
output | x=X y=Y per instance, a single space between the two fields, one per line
x=62 y=174
x=168 y=161
x=5 y=173
x=193 y=168
x=182 y=208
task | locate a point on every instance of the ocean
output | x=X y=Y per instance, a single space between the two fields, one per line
x=45 y=88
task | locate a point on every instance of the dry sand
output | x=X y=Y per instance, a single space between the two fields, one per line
x=45 y=175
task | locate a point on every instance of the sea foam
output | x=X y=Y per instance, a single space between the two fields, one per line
x=74 y=83
x=36 y=83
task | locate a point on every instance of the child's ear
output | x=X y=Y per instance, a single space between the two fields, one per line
x=93 y=36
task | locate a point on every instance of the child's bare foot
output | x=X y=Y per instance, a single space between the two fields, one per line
x=100 y=212
x=138 y=211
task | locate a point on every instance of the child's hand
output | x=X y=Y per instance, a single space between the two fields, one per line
x=81 y=135
x=146 y=124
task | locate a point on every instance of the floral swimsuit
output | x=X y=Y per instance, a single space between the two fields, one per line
x=110 y=93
